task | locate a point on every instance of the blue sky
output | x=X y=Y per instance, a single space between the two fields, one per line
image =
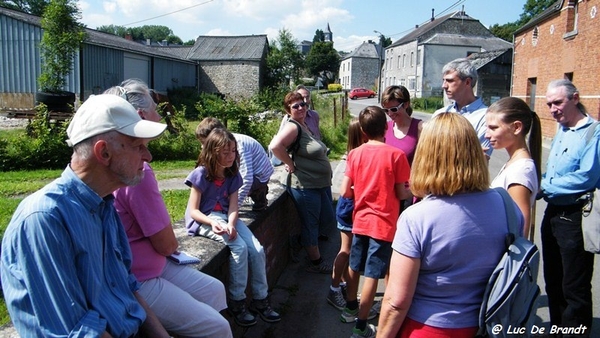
x=351 y=21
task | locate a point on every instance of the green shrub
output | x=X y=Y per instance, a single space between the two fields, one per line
x=41 y=145
x=185 y=98
x=334 y=87
x=427 y=104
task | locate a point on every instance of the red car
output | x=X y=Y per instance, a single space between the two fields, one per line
x=361 y=92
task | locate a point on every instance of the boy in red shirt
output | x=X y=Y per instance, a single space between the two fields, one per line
x=375 y=177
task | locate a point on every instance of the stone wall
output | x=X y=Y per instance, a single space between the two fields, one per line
x=232 y=78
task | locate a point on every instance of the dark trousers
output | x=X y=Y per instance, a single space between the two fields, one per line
x=258 y=194
x=568 y=268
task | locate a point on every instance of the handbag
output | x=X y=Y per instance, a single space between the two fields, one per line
x=590 y=213
x=590 y=222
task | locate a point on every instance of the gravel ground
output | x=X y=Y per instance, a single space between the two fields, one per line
x=7 y=123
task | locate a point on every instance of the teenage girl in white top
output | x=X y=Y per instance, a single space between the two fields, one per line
x=509 y=121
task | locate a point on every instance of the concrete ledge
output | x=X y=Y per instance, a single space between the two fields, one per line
x=277 y=229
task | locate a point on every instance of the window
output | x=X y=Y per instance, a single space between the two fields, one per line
x=569 y=76
x=572 y=17
x=418 y=56
x=412 y=59
x=403 y=60
x=531 y=86
x=411 y=83
x=398 y=61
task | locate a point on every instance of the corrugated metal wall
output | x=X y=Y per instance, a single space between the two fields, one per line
x=19 y=56
x=170 y=74
x=102 y=69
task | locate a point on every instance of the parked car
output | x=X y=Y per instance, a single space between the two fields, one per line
x=361 y=92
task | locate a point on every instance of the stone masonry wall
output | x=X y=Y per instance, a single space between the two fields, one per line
x=232 y=78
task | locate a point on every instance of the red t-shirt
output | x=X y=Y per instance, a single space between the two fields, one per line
x=375 y=169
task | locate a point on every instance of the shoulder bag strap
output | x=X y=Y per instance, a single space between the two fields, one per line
x=511 y=215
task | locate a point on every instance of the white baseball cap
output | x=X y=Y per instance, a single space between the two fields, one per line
x=102 y=113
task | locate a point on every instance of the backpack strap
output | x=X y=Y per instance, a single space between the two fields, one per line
x=511 y=216
x=293 y=148
x=590 y=132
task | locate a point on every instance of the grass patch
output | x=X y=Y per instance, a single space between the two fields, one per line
x=176 y=201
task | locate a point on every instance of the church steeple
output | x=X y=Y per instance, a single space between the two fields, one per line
x=328 y=34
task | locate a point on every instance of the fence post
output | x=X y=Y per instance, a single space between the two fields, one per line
x=334 y=113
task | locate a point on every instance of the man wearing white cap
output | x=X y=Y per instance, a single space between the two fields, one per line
x=65 y=260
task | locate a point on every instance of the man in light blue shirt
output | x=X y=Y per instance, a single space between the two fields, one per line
x=65 y=261
x=459 y=79
x=573 y=169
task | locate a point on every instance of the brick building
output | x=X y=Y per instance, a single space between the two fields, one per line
x=561 y=42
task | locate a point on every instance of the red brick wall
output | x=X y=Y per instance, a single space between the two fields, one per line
x=556 y=54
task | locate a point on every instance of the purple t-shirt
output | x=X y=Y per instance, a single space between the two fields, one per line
x=143 y=214
x=459 y=240
x=211 y=194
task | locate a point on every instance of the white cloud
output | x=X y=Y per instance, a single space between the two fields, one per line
x=352 y=42
x=109 y=6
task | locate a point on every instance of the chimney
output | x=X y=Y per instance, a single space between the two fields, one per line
x=165 y=42
x=128 y=37
x=148 y=42
x=432 y=14
x=416 y=26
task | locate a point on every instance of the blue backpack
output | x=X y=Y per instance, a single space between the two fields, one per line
x=510 y=300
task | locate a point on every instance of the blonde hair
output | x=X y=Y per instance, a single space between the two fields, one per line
x=448 y=159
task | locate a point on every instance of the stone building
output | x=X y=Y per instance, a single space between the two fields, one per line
x=234 y=66
x=561 y=42
x=416 y=60
x=360 y=68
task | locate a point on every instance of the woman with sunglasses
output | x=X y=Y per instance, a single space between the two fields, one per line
x=403 y=130
x=310 y=183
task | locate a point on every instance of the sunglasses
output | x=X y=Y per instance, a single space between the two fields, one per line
x=393 y=109
x=298 y=105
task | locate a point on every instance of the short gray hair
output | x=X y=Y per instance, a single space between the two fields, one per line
x=570 y=90
x=463 y=67
x=135 y=91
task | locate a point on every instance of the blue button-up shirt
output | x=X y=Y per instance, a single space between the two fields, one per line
x=573 y=165
x=475 y=113
x=65 y=265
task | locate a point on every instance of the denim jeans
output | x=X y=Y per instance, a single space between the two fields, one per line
x=568 y=268
x=315 y=208
x=246 y=252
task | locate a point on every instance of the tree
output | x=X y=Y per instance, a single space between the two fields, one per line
x=319 y=36
x=152 y=32
x=531 y=9
x=113 y=29
x=322 y=59
x=284 y=60
x=35 y=7
x=61 y=40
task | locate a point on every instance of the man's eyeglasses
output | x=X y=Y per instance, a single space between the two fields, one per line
x=298 y=105
x=393 y=109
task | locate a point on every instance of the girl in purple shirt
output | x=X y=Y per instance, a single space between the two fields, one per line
x=212 y=212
